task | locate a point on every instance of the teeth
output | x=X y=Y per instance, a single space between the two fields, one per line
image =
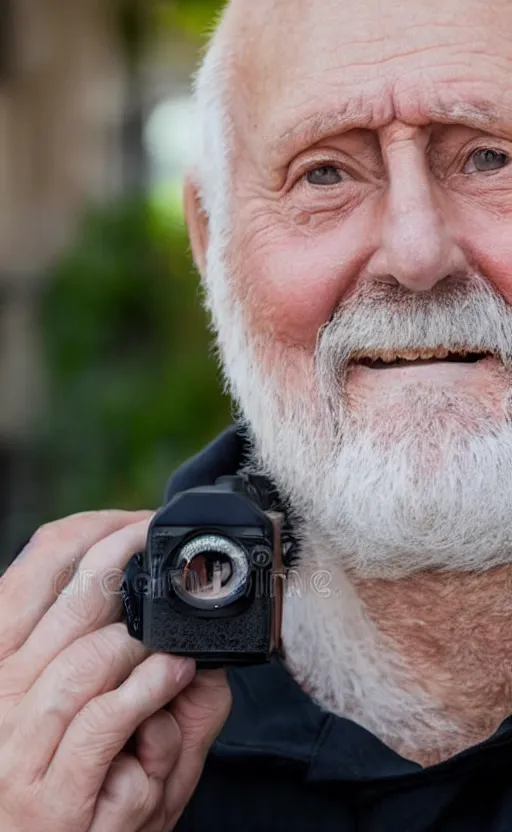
x=389 y=356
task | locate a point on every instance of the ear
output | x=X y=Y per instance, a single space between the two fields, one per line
x=197 y=224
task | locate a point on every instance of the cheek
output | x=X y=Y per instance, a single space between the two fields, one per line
x=292 y=283
x=491 y=251
x=292 y=291
x=496 y=265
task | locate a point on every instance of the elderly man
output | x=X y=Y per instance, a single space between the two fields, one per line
x=351 y=216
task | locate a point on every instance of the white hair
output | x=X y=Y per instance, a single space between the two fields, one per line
x=213 y=129
x=212 y=174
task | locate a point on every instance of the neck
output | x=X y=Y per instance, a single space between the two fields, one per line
x=423 y=662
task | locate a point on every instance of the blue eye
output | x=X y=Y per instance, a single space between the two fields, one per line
x=324 y=175
x=487 y=159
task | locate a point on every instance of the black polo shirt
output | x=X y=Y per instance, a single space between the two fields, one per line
x=282 y=763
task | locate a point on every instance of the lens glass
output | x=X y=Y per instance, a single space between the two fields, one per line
x=212 y=571
x=207 y=574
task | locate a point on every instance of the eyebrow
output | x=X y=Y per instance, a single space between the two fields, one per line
x=317 y=126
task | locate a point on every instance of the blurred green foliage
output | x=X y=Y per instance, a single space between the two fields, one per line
x=194 y=17
x=133 y=385
x=140 y=19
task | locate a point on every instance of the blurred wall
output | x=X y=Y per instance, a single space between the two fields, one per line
x=60 y=111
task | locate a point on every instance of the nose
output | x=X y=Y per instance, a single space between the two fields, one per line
x=416 y=247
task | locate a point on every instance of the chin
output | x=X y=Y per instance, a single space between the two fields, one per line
x=423 y=415
x=429 y=488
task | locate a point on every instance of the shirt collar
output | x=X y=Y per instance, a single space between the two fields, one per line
x=222 y=457
x=272 y=717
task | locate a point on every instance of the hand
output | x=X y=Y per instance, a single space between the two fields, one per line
x=75 y=688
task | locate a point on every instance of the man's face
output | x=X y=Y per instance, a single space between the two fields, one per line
x=370 y=267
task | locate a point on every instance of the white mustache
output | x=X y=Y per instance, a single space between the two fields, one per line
x=459 y=315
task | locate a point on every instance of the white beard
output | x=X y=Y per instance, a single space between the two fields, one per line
x=435 y=499
x=429 y=487
x=360 y=488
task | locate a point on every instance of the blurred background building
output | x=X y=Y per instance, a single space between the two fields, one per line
x=107 y=378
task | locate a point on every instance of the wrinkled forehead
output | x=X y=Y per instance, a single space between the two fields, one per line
x=290 y=54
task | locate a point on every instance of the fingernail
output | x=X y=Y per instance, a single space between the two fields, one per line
x=185 y=668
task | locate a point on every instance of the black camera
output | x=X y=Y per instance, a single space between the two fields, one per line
x=210 y=582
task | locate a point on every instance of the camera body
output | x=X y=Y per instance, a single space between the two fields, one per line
x=210 y=582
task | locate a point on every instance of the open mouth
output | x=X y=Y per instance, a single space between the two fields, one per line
x=405 y=358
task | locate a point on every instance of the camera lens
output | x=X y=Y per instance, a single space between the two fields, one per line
x=211 y=571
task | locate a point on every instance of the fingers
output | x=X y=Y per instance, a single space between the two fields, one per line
x=128 y=799
x=94 y=664
x=27 y=589
x=91 y=601
x=200 y=712
x=202 y=709
x=158 y=744
x=102 y=728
